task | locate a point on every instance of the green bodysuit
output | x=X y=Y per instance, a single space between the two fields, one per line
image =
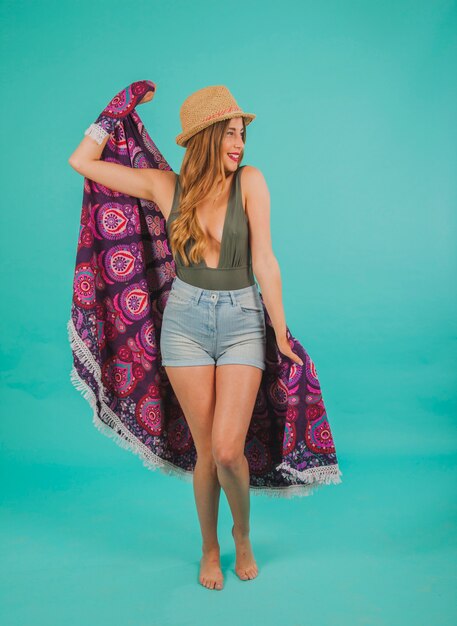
x=234 y=270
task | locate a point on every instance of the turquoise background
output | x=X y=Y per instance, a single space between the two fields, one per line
x=356 y=135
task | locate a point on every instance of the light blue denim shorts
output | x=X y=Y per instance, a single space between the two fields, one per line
x=213 y=327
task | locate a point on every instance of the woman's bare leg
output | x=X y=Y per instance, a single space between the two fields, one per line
x=236 y=391
x=198 y=410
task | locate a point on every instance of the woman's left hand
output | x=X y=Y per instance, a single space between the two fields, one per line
x=284 y=348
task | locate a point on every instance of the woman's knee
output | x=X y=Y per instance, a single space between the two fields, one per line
x=205 y=456
x=227 y=455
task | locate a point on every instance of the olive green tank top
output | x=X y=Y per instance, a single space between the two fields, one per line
x=234 y=270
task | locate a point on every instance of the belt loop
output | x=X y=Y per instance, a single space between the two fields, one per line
x=233 y=298
x=198 y=294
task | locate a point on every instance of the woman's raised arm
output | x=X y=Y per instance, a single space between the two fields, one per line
x=139 y=183
x=148 y=184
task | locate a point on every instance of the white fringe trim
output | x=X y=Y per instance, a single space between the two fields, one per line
x=326 y=474
x=109 y=424
x=97 y=132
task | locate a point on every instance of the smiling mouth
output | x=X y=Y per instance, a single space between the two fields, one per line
x=235 y=156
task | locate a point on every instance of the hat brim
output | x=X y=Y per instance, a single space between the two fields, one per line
x=182 y=138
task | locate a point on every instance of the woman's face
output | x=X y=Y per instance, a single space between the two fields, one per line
x=233 y=144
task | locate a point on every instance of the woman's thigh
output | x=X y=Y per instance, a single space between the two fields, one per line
x=237 y=387
x=194 y=387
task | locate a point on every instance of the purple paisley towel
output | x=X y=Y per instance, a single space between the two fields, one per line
x=124 y=270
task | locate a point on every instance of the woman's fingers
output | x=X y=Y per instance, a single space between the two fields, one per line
x=147 y=97
x=295 y=358
x=284 y=348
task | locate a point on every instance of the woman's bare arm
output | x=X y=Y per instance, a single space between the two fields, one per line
x=264 y=263
x=148 y=184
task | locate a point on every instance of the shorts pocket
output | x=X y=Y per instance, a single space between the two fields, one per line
x=179 y=298
x=250 y=304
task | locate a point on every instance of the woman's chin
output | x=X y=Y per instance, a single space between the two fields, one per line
x=231 y=166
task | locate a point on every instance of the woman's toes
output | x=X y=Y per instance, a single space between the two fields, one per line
x=211 y=584
x=247 y=574
x=210 y=572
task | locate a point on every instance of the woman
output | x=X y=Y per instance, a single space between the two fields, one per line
x=213 y=332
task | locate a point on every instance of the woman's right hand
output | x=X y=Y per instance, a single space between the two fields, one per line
x=149 y=96
x=124 y=102
x=141 y=183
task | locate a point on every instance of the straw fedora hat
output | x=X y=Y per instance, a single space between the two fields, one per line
x=206 y=106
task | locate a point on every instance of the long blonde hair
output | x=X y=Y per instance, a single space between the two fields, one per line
x=201 y=171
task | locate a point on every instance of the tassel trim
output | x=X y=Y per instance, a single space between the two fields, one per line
x=97 y=132
x=109 y=424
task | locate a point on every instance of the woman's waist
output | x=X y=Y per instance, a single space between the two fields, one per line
x=222 y=280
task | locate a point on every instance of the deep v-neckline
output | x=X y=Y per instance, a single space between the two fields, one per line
x=224 y=226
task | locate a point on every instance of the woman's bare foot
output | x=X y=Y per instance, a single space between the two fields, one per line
x=245 y=566
x=210 y=570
